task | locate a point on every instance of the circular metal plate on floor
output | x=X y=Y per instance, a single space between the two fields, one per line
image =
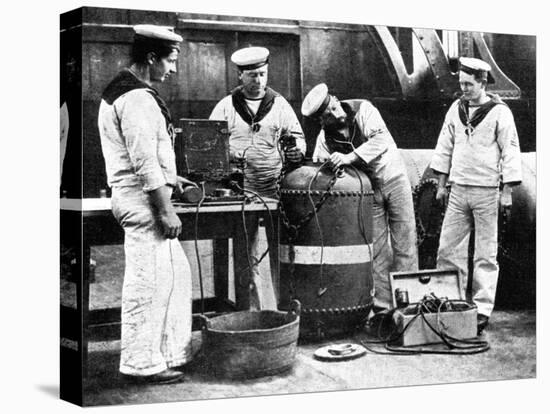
x=339 y=352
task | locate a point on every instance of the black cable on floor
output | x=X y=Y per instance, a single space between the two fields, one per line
x=455 y=346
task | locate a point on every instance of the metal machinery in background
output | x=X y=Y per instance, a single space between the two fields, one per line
x=422 y=63
x=434 y=70
x=326 y=248
x=409 y=74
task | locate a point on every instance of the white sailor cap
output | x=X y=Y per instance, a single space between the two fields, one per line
x=468 y=64
x=159 y=33
x=316 y=101
x=250 y=57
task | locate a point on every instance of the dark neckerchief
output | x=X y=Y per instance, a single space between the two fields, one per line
x=480 y=113
x=125 y=82
x=241 y=107
x=335 y=140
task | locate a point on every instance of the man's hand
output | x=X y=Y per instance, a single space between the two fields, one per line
x=171 y=224
x=238 y=157
x=340 y=160
x=506 y=200
x=181 y=183
x=169 y=221
x=442 y=195
x=293 y=155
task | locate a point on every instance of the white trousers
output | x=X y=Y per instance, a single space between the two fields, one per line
x=472 y=207
x=156 y=294
x=262 y=295
x=394 y=236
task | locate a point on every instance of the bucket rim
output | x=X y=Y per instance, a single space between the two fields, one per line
x=296 y=321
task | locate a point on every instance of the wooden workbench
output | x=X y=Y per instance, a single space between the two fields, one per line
x=90 y=222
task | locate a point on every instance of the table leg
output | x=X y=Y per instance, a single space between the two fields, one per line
x=221 y=275
x=272 y=234
x=243 y=276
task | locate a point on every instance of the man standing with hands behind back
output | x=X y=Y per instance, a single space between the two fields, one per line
x=259 y=119
x=477 y=145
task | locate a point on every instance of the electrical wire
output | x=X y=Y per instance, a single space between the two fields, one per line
x=245 y=230
x=246 y=241
x=455 y=346
x=392 y=336
x=272 y=225
x=322 y=289
x=361 y=219
x=199 y=204
x=246 y=199
x=255 y=194
x=172 y=286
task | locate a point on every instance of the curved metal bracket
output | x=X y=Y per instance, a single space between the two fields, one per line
x=432 y=76
x=430 y=63
x=438 y=63
x=503 y=85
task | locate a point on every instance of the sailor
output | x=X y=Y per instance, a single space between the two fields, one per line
x=264 y=134
x=354 y=133
x=137 y=143
x=477 y=151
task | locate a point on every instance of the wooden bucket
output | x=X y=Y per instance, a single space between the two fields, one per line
x=251 y=344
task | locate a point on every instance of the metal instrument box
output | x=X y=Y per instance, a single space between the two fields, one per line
x=202 y=155
x=202 y=146
x=460 y=323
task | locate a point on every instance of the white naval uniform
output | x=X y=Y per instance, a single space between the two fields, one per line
x=263 y=167
x=393 y=210
x=157 y=294
x=475 y=162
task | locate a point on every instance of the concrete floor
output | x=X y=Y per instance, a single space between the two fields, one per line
x=511 y=334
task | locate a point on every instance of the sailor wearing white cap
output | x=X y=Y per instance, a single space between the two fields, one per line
x=477 y=146
x=136 y=139
x=260 y=120
x=353 y=132
x=474 y=66
x=316 y=101
x=160 y=33
x=250 y=57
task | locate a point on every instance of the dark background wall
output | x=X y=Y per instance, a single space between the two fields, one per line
x=303 y=53
x=95 y=45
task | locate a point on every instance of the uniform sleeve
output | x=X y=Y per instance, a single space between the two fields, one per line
x=374 y=129
x=508 y=141
x=140 y=120
x=291 y=125
x=219 y=113
x=321 y=152
x=443 y=154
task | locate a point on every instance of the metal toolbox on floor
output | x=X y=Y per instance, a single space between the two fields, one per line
x=459 y=323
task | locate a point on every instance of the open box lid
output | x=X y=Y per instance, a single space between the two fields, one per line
x=442 y=283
